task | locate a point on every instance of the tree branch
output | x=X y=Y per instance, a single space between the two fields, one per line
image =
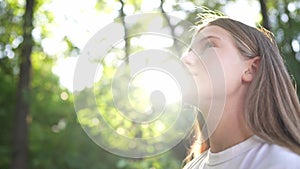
x=126 y=39
x=263 y=9
x=176 y=46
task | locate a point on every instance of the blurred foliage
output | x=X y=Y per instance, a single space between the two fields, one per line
x=285 y=20
x=56 y=137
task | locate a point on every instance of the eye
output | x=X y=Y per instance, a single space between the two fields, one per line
x=201 y=49
x=208 y=45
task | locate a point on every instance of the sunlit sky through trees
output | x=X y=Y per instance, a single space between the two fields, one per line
x=80 y=20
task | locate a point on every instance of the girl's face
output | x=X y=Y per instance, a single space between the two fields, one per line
x=216 y=65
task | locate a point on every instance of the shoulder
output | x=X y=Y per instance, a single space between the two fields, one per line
x=275 y=156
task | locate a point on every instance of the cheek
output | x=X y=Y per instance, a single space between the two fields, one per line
x=199 y=69
x=211 y=81
x=232 y=68
x=222 y=75
x=216 y=73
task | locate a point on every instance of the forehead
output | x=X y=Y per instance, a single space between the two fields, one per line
x=213 y=30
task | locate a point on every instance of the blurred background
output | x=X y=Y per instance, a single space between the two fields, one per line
x=40 y=42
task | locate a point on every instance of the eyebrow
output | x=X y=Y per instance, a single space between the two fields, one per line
x=209 y=37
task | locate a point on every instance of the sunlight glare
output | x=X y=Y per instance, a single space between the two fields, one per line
x=150 y=5
x=236 y=10
x=156 y=80
x=64 y=96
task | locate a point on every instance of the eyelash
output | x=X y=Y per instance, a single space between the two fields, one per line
x=204 y=47
x=208 y=45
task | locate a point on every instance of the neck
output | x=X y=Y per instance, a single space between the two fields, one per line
x=231 y=129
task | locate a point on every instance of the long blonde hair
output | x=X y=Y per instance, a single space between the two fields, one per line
x=272 y=109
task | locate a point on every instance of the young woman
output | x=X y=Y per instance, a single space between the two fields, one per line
x=258 y=126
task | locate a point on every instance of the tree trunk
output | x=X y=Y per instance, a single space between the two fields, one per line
x=264 y=10
x=126 y=38
x=20 y=133
x=172 y=28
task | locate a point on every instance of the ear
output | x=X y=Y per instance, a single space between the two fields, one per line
x=252 y=66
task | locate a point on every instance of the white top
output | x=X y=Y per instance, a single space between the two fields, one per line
x=253 y=153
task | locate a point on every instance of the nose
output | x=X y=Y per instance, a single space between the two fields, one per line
x=189 y=58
